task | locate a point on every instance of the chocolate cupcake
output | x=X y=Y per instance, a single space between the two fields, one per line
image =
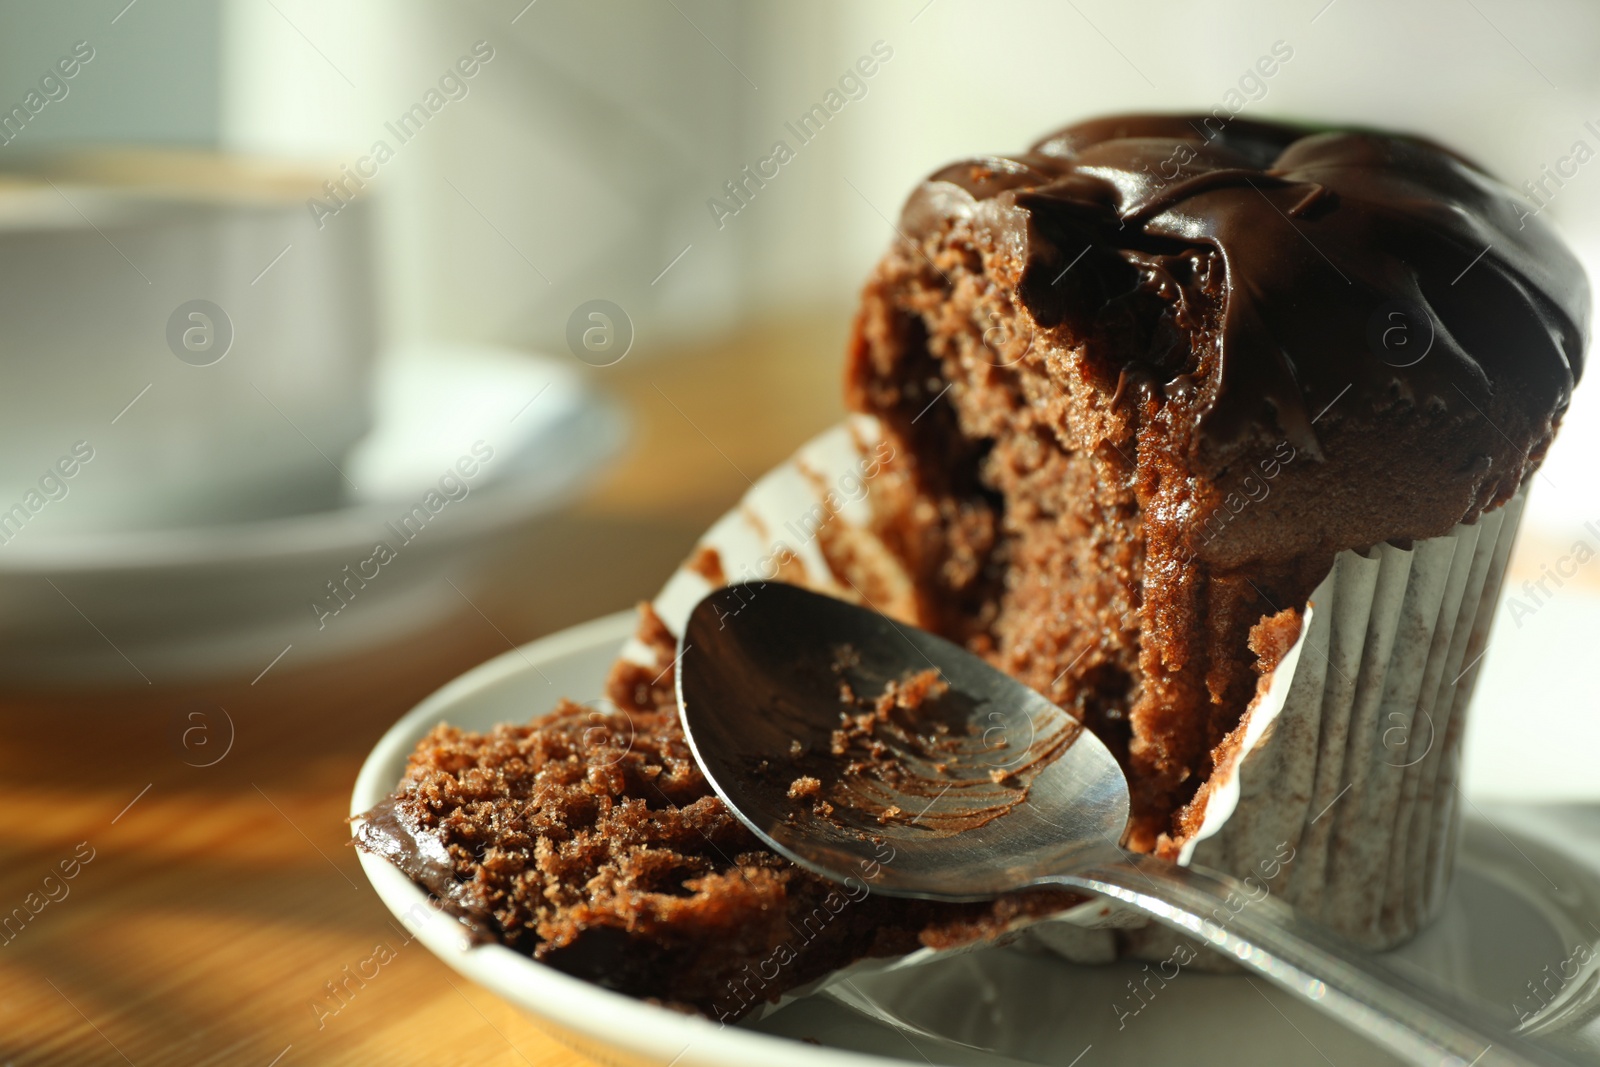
x=1174 y=404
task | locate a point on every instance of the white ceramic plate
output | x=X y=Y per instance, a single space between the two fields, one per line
x=1521 y=909
x=121 y=606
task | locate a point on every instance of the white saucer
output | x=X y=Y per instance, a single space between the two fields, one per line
x=1524 y=901
x=134 y=606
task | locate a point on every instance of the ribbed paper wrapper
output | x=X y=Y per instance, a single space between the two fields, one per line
x=1342 y=796
x=1351 y=761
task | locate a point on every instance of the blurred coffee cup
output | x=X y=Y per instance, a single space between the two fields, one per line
x=183 y=341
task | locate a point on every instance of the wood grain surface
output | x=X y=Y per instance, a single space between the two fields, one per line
x=182 y=852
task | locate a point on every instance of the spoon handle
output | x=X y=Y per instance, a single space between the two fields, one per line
x=1265 y=935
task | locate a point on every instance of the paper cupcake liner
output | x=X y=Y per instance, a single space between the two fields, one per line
x=1341 y=796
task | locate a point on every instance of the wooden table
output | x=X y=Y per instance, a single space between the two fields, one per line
x=210 y=907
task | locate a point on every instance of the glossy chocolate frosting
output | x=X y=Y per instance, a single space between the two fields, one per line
x=1337 y=273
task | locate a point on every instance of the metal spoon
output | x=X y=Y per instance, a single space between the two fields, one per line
x=1010 y=795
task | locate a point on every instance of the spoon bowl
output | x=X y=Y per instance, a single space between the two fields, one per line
x=1011 y=791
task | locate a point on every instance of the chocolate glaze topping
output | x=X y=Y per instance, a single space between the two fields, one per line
x=1312 y=263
